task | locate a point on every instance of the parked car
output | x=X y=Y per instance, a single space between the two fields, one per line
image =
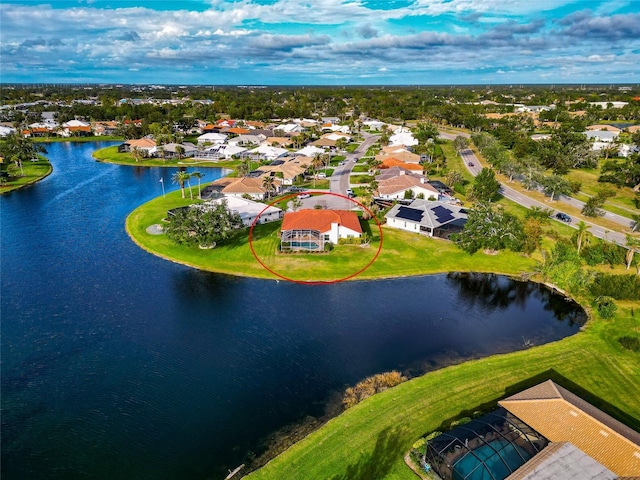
x=563 y=217
x=350 y=193
x=322 y=175
x=304 y=195
x=295 y=189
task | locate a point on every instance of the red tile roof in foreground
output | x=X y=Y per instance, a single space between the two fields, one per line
x=320 y=220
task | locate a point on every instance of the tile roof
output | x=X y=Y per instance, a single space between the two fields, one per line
x=394 y=162
x=246 y=185
x=562 y=416
x=404 y=182
x=141 y=143
x=320 y=220
x=562 y=461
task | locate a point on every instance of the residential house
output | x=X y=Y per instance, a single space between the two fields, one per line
x=288 y=170
x=601 y=135
x=434 y=219
x=211 y=138
x=399 y=153
x=170 y=150
x=406 y=186
x=146 y=144
x=251 y=187
x=387 y=173
x=403 y=136
x=324 y=143
x=278 y=141
x=566 y=419
x=310 y=151
x=251 y=211
x=247 y=140
x=266 y=152
x=604 y=128
x=75 y=128
x=235 y=131
x=216 y=152
x=311 y=230
x=390 y=162
x=105 y=128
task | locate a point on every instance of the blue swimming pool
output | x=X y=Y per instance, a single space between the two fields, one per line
x=307 y=245
x=494 y=461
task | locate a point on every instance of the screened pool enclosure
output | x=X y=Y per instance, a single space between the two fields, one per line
x=491 y=447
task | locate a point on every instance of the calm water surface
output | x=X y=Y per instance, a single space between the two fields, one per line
x=120 y=365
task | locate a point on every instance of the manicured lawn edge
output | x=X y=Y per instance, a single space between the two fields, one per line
x=111 y=155
x=29 y=178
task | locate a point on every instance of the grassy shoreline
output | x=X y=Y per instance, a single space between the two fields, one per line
x=33 y=173
x=111 y=155
x=370 y=440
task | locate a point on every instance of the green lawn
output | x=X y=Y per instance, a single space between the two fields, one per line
x=420 y=255
x=33 y=172
x=623 y=201
x=111 y=155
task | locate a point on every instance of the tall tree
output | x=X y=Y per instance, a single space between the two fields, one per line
x=485 y=186
x=460 y=143
x=555 y=185
x=19 y=149
x=179 y=178
x=268 y=182
x=199 y=176
x=633 y=245
x=582 y=235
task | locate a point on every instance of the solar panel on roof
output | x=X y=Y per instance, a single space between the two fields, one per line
x=443 y=215
x=410 y=214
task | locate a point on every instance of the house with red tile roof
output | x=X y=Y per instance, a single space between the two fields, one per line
x=311 y=230
x=394 y=162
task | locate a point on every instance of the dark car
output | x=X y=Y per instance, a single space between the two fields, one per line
x=563 y=217
x=471 y=164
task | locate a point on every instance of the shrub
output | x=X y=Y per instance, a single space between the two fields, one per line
x=619 y=287
x=630 y=343
x=606 y=306
x=603 y=252
x=370 y=386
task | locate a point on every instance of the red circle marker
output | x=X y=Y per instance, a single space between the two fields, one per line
x=315 y=282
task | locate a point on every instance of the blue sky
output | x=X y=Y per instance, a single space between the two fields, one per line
x=322 y=42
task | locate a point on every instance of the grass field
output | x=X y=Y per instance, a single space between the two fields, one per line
x=420 y=255
x=33 y=172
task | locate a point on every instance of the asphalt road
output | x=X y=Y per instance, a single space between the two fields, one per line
x=469 y=158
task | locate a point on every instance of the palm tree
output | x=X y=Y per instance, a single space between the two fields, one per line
x=198 y=175
x=581 y=235
x=179 y=151
x=180 y=177
x=269 y=185
x=136 y=153
x=633 y=244
x=317 y=161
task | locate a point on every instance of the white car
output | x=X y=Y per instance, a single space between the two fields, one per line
x=304 y=195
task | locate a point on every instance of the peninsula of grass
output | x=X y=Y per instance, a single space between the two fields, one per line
x=33 y=172
x=111 y=155
x=420 y=255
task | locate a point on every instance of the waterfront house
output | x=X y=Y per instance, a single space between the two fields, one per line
x=251 y=211
x=146 y=144
x=434 y=219
x=247 y=187
x=311 y=230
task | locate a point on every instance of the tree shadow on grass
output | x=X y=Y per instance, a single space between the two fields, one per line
x=378 y=463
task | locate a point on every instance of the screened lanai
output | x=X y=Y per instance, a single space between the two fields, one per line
x=488 y=448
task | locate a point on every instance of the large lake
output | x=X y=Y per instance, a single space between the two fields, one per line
x=120 y=365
